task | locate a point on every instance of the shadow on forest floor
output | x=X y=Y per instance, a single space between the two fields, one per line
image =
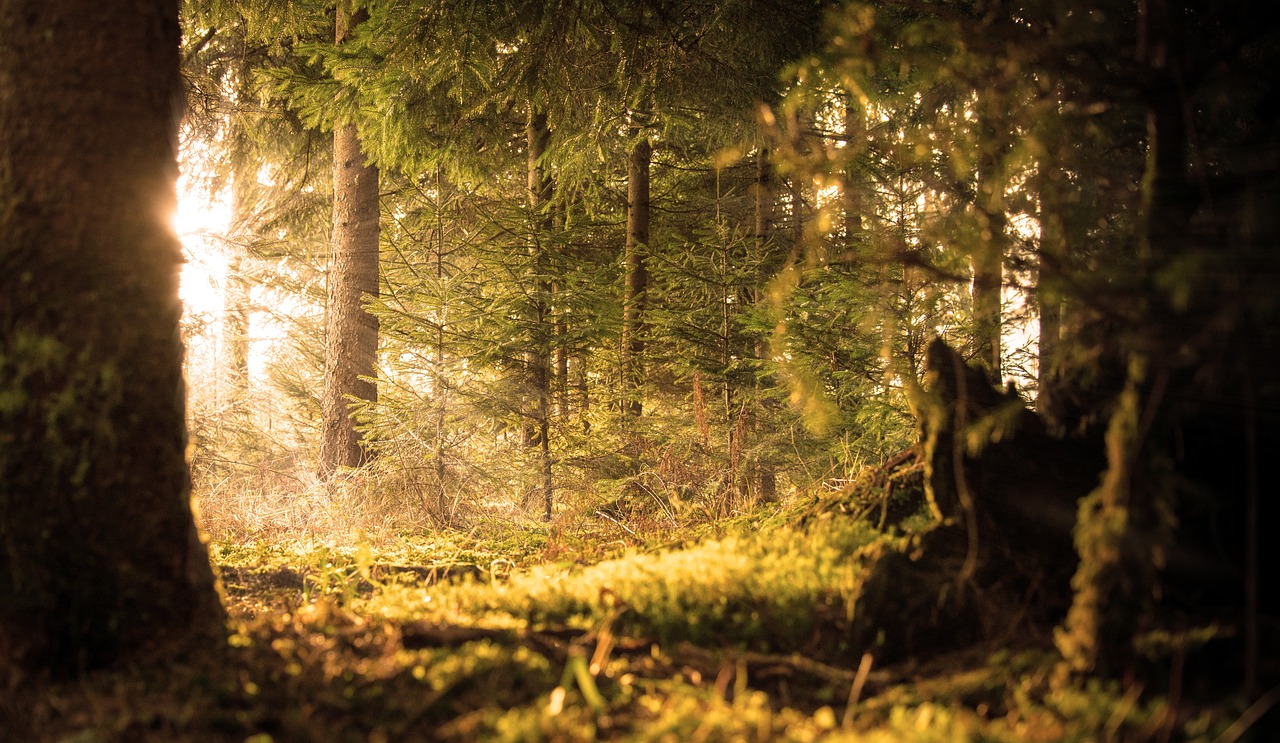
x=749 y=633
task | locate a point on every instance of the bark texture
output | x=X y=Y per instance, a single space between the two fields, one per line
x=540 y=186
x=991 y=245
x=636 y=287
x=99 y=555
x=351 y=333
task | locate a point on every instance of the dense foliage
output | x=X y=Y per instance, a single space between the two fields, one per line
x=647 y=265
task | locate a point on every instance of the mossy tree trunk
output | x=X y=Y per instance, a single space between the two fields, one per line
x=98 y=550
x=351 y=332
x=1124 y=527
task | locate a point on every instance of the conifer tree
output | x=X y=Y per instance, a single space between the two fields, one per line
x=635 y=291
x=351 y=332
x=272 y=167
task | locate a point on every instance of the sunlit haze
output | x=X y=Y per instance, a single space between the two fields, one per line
x=201 y=222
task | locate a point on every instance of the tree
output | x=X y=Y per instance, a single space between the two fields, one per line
x=98 y=550
x=543 y=329
x=274 y=172
x=1145 y=147
x=636 y=281
x=351 y=337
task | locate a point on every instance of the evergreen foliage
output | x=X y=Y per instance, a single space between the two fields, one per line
x=1072 y=196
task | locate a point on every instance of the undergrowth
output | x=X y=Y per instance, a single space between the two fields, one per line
x=517 y=631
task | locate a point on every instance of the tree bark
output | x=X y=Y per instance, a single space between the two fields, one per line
x=351 y=332
x=539 y=359
x=854 y=191
x=988 y=256
x=99 y=555
x=764 y=198
x=1053 y=247
x=635 y=289
x=236 y=309
x=1124 y=531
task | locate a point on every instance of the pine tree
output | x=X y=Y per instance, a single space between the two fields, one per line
x=351 y=332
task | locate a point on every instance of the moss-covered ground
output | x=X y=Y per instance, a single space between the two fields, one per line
x=525 y=633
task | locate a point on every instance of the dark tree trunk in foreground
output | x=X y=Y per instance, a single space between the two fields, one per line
x=351 y=333
x=98 y=551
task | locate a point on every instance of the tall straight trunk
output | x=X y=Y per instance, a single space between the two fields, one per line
x=351 y=333
x=988 y=254
x=235 y=336
x=762 y=231
x=98 y=550
x=235 y=313
x=439 y=384
x=854 y=193
x=582 y=391
x=730 y=300
x=561 y=384
x=1053 y=250
x=636 y=282
x=764 y=198
x=539 y=356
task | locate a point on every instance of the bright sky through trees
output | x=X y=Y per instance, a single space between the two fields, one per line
x=200 y=221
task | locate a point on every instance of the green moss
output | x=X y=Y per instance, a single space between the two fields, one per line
x=771 y=592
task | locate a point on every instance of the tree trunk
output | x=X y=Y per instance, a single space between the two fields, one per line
x=1123 y=534
x=762 y=232
x=539 y=357
x=988 y=256
x=1053 y=247
x=234 y=365
x=636 y=285
x=854 y=191
x=98 y=550
x=439 y=382
x=351 y=333
x=764 y=196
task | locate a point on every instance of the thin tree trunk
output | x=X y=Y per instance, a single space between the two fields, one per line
x=539 y=357
x=988 y=256
x=636 y=286
x=762 y=231
x=581 y=385
x=439 y=385
x=235 y=335
x=855 y=130
x=351 y=332
x=1048 y=299
x=98 y=550
x=235 y=323
x=764 y=198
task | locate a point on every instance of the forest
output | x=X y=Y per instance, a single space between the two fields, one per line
x=659 y=370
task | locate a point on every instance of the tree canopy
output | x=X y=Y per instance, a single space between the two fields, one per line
x=977 y=298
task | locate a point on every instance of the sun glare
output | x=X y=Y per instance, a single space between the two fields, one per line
x=201 y=222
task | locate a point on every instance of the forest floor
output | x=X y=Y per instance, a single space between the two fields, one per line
x=736 y=632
